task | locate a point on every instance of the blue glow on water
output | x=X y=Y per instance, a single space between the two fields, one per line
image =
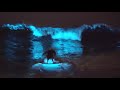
x=15 y=27
x=102 y=26
x=59 y=67
x=94 y=26
x=66 y=43
x=56 y=33
x=66 y=35
x=35 y=31
x=63 y=48
x=37 y=50
x=66 y=48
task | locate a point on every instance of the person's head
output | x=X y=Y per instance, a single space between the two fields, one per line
x=51 y=49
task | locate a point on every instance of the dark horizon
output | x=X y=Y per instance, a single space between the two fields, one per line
x=60 y=19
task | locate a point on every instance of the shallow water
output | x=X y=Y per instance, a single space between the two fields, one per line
x=19 y=54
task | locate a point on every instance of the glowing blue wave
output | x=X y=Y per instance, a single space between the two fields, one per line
x=15 y=27
x=56 y=33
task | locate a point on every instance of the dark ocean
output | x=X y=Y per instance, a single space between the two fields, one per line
x=20 y=50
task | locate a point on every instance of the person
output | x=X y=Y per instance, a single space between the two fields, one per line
x=50 y=54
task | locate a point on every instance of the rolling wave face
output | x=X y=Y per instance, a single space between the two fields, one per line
x=66 y=41
x=56 y=33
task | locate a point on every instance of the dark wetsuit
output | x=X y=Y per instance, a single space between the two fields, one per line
x=50 y=54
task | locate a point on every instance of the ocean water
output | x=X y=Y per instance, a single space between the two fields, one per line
x=19 y=51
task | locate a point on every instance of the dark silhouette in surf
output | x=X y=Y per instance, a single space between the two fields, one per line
x=50 y=54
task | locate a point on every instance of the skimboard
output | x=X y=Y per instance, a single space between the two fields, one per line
x=51 y=67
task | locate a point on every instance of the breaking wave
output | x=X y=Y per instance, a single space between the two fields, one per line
x=55 y=32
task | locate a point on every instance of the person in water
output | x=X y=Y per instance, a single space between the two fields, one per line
x=50 y=54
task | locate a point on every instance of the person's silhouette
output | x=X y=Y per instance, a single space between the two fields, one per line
x=50 y=54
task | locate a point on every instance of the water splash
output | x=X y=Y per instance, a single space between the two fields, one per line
x=59 y=67
x=15 y=27
x=56 y=33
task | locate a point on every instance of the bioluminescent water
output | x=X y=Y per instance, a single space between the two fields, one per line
x=37 y=50
x=66 y=41
x=59 y=67
x=30 y=47
x=56 y=33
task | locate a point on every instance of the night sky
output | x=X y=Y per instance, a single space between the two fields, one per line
x=60 y=19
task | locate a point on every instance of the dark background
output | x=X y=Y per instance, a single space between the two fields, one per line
x=60 y=19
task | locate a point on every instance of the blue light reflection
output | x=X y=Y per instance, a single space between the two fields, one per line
x=37 y=50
